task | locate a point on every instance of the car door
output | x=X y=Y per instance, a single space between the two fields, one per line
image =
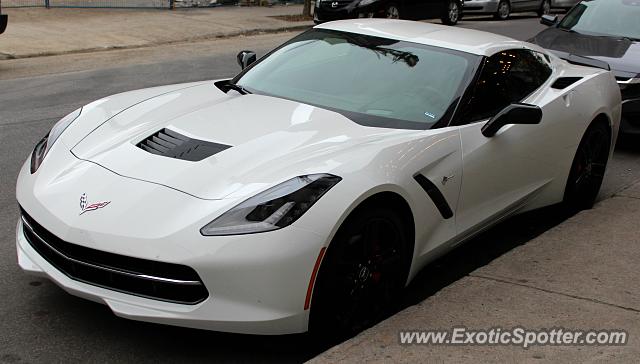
x=501 y=173
x=426 y=9
x=520 y=5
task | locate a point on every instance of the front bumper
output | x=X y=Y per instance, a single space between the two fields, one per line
x=480 y=6
x=630 y=121
x=256 y=283
x=4 y=19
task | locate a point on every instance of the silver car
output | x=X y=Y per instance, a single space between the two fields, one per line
x=501 y=9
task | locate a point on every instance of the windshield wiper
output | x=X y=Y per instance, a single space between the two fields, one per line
x=226 y=85
x=569 y=30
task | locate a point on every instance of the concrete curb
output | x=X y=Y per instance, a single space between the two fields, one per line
x=205 y=37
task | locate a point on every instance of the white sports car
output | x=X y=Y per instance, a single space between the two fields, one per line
x=307 y=191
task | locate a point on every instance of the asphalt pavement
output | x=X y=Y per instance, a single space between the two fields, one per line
x=41 y=323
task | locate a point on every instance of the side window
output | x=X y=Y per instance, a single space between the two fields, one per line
x=506 y=77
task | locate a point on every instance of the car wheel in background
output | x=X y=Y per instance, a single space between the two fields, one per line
x=545 y=8
x=588 y=167
x=452 y=13
x=504 y=10
x=392 y=11
x=362 y=274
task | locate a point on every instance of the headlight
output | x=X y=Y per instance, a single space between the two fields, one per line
x=366 y=2
x=43 y=146
x=274 y=208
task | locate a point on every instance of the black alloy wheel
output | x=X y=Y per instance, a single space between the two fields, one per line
x=362 y=274
x=588 y=168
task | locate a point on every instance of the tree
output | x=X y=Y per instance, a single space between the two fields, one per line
x=306 y=10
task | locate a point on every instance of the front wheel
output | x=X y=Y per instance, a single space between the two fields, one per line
x=361 y=275
x=452 y=14
x=545 y=8
x=587 y=169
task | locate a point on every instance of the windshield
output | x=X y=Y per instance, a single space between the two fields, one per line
x=618 y=18
x=372 y=81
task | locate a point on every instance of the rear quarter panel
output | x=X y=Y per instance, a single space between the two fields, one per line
x=567 y=114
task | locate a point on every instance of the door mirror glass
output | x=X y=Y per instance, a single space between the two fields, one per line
x=513 y=114
x=246 y=58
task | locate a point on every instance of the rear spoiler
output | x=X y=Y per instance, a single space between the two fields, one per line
x=582 y=61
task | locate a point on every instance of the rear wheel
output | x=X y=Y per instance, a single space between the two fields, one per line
x=363 y=272
x=545 y=8
x=452 y=13
x=392 y=11
x=587 y=170
x=504 y=10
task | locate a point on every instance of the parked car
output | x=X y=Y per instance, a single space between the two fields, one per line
x=502 y=9
x=4 y=19
x=448 y=11
x=310 y=189
x=607 y=31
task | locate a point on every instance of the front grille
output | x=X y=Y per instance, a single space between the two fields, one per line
x=328 y=4
x=631 y=112
x=146 y=278
x=630 y=91
x=169 y=143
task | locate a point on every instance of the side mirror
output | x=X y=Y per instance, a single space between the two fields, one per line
x=512 y=114
x=549 y=20
x=246 y=58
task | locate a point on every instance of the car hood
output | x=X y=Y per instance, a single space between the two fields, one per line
x=622 y=55
x=268 y=140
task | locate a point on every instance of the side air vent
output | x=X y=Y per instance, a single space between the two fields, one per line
x=436 y=196
x=564 y=82
x=170 y=144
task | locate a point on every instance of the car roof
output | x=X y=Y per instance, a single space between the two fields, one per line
x=461 y=39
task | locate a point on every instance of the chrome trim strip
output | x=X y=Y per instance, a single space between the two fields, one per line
x=629 y=81
x=631 y=100
x=112 y=270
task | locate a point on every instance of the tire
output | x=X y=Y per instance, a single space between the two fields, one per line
x=392 y=11
x=362 y=274
x=587 y=169
x=545 y=8
x=504 y=10
x=452 y=14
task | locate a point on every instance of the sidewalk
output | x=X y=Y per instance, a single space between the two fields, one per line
x=582 y=274
x=39 y=32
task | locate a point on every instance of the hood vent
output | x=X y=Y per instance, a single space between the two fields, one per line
x=168 y=143
x=564 y=82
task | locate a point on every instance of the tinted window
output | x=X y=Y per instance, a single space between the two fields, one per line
x=373 y=81
x=505 y=78
x=619 y=18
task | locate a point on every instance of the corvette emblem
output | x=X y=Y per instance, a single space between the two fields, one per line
x=334 y=4
x=94 y=206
